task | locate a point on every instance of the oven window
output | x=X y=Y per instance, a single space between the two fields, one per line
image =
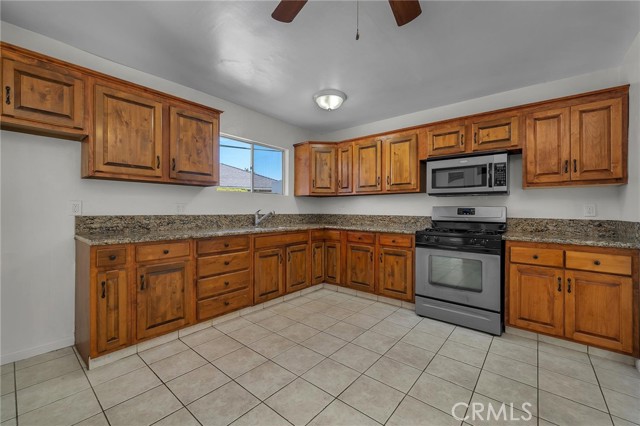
x=460 y=177
x=463 y=274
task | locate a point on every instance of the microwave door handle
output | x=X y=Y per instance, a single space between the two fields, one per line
x=490 y=171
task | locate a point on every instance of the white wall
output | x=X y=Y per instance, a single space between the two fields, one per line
x=39 y=176
x=616 y=202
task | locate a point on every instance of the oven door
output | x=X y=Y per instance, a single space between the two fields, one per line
x=471 y=279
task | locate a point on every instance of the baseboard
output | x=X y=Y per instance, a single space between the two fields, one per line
x=28 y=353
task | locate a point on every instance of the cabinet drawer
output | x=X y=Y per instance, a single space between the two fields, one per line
x=222 y=244
x=213 y=286
x=111 y=257
x=223 y=263
x=162 y=251
x=599 y=262
x=396 y=240
x=361 y=237
x=325 y=234
x=216 y=306
x=537 y=256
x=281 y=240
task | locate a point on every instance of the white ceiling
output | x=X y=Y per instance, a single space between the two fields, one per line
x=236 y=51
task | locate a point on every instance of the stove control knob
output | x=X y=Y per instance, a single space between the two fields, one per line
x=436 y=239
x=473 y=241
x=483 y=242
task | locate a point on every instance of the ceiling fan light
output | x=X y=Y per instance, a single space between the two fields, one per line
x=329 y=99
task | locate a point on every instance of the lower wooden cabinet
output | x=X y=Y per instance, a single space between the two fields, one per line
x=333 y=262
x=163 y=296
x=585 y=294
x=361 y=267
x=268 y=281
x=297 y=270
x=317 y=262
x=395 y=277
x=112 y=310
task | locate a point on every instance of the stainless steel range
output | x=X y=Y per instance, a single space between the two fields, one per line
x=459 y=267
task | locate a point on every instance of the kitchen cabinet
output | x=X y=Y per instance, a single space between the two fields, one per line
x=42 y=98
x=446 y=139
x=268 y=274
x=496 y=132
x=577 y=145
x=297 y=268
x=345 y=167
x=194 y=145
x=360 y=273
x=401 y=164
x=315 y=170
x=367 y=169
x=585 y=294
x=333 y=262
x=317 y=262
x=163 y=298
x=396 y=266
x=112 y=310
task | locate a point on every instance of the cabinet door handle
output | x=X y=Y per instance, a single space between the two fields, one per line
x=8 y=95
x=371 y=256
x=575 y=166
x=141 y=282
x=339 y=183
x=566 y=166
x=289 y=258
x=113 y=257
x=388 y=180
x=173 y=164
x=596 y=262
x=380 y=257
x=313 y=183
x=157 y=161
x=104 y=289
x=280 y=258
x=475 y=138
x=378 y=180
x=559 y=283
x=568 y=285
x=462 y=139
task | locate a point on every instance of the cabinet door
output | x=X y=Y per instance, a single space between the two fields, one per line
x=536 y=298
x=297 y=272
x=395 y=277
x=51 y=95
x=268 y=274
x=194 y=146
x=317 y=263
x=368 y=166
x=112 y=313
x=446 y=140
x=163 y=298
x=547 y=147
x=323 y=169
x=360 y=267
x=497 y=133
x=596 y=141
x=332 y=262
x=128 y=133
x=401 y=163
x=598 y=310
x=345 y=168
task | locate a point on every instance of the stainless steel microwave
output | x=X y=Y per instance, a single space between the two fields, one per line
x=483 y=174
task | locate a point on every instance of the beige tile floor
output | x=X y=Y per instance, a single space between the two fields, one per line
x=326 y=358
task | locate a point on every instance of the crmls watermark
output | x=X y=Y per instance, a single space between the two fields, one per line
x=482 y=412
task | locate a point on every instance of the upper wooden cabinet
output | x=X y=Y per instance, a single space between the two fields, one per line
x=497 y=132
x=193 y=145
x=401 y=163
x=345 y=167
x=581 y=144
x=367 y=169
x=128 y=133
x=446 y=139
x=315 y=168
x=42 y=98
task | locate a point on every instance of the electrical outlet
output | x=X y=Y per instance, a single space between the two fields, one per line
x=75 y=208
x=589 y=210
x=180 y=208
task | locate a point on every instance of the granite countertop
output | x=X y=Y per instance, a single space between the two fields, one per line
x=99 y=239
x=613 y=241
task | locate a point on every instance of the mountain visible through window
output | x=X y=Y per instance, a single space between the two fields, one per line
x=250 y=167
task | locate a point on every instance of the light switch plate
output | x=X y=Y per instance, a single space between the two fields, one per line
x=75 y=208
x=589 y=210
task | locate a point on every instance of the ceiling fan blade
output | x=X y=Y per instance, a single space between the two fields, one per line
x=405 y=11
x=287 y=10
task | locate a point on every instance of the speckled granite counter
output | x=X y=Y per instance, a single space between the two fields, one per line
x=597 y=233
x=106 y=230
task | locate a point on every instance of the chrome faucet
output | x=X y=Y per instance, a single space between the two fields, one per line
x=259 y=218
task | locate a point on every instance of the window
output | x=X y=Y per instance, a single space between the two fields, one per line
x=250 y=167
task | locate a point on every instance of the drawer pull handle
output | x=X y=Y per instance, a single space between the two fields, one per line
x=226 y=245
x=113 y=257
x=104 y=291
x=165 y=251
x=226 y=263
x=393 y=241
x=569 y=285
x=226 y=283
x=226 y=303
x=596 y=262
x=141 y=282
x=559 y=283
x=535 y=257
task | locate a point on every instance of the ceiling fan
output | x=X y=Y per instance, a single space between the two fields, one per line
x=404 y=11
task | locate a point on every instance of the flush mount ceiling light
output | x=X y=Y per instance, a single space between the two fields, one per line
x=329 y=99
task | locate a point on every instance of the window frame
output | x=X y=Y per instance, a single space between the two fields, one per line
x=251 y=142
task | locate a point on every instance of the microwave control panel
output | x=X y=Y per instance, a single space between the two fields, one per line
x=500 y=174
